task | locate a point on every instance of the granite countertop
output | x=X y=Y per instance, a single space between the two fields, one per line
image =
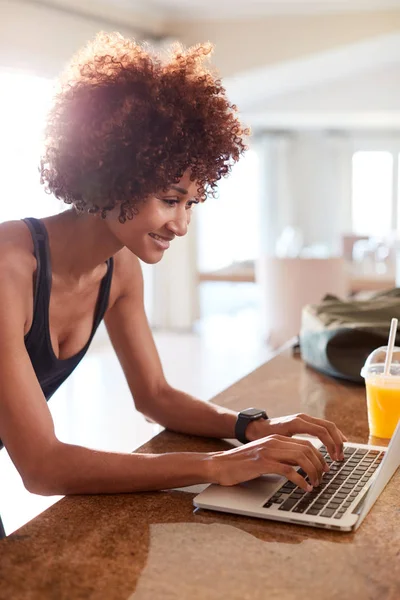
x=152 y=545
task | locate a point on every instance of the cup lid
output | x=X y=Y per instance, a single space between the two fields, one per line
x=375 y=363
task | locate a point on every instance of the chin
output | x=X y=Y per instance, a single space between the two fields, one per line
x=150 y=258
x=147 y=253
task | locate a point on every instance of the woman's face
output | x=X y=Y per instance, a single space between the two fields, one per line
x=160 y=218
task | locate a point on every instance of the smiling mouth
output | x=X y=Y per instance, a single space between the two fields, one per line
x=161 y=242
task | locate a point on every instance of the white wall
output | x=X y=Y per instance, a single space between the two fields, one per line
x=307 y=186
x=376 y=90
x=40 y=39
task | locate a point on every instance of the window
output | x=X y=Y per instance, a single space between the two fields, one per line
x=228 y=226
x=375 y=191
x=24 y=101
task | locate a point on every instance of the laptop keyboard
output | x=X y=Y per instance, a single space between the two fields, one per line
x=338 y=488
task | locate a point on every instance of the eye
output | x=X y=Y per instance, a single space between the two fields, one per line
x=171 y=202
x=192 y=203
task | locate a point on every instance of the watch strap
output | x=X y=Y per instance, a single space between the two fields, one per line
x=242 y=422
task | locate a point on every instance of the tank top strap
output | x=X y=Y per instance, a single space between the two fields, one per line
x=104 y=295
x=43 y=270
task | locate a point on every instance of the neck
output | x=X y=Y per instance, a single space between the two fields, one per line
x=79 y=243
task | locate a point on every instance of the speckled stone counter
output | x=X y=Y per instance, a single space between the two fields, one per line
x=98 y=546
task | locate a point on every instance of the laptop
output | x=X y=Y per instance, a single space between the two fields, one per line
x=341 y=502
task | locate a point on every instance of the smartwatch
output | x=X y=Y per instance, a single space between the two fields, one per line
x=244 y=418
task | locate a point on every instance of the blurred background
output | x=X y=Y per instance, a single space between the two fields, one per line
x=315 y=200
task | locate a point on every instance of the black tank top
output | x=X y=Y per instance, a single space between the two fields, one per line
x=50 y=370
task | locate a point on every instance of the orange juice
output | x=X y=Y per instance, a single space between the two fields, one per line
x=383 y=401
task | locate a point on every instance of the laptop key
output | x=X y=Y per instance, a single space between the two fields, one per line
x=296 y=495
x=278 y=500
x=339 y=480
x=325 y=497
x=313 y=511
x=300 y=509
x=328 y=512
x=289 y=485
x=289 y=504
x=349 y=451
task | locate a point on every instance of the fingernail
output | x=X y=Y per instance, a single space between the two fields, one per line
x=309 y=488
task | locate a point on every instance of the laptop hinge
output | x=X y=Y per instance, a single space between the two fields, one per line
x=358 y=508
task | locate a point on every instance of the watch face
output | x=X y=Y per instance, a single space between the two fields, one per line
x=252 y=412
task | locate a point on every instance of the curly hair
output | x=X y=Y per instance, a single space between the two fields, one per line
x=126 y=122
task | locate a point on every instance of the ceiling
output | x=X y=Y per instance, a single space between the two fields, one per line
x=356 y=85
x=351 y=84
x=209 y=9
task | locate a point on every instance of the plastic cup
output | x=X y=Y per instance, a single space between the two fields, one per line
x=383 y=392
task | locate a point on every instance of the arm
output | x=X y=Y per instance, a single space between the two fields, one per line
x=132 y=339
x=46 y=465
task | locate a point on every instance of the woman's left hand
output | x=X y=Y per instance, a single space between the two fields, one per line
x=326 y=431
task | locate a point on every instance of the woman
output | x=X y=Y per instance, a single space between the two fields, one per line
x=133 y=142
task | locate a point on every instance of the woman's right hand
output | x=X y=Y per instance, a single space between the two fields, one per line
x=275 y=454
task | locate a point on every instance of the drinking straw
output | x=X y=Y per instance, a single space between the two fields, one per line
x=389 y=354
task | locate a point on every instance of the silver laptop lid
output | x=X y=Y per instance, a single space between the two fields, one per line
x=388 y=467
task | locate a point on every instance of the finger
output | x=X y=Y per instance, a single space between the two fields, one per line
x=283 y=444
x=336 y=435
x=290 y=473
x=309 y=468
x=328 y=433
x=313 y=454
x=302 y=458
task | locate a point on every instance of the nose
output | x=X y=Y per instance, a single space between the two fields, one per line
x=179 y=224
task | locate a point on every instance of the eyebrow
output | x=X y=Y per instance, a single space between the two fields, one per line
x=178 y=189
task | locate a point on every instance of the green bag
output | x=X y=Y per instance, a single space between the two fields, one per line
x=337 y=336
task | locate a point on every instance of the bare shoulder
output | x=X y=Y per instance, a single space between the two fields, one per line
x=17 y=261
x=127 y=276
